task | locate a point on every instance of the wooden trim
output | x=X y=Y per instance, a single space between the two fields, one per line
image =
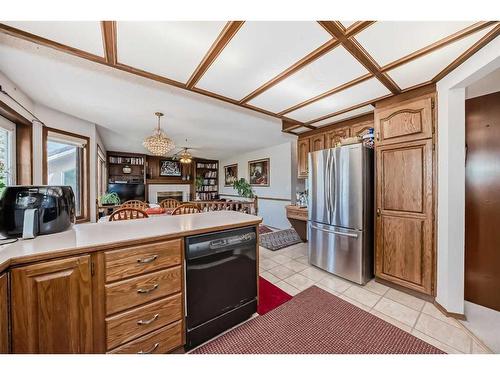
x=472 y=50
x=420 y=91
x=447 y=313
x=109 y=41
x=287 y=125
x=357 y=27
x=437 y=45
x=85 y=215
x=215 y=50
x=317 y=53
x=367 y=117
x=10 y=114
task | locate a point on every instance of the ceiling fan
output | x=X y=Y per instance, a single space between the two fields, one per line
x=183 y=155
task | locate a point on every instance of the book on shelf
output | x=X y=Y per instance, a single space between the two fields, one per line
x=126 y=160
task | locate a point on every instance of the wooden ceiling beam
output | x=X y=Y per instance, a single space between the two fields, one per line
x=109 y=41
x=227 y=33
x=472 y=50
x=335 y=29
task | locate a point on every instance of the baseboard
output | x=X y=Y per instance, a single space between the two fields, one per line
x=449 y=314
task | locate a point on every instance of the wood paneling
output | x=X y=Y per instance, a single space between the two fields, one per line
x=333 y=137
x=153 y=172
x=24 y=154
x=317 y=142
x=411 y=120
x=132 y=261
x=159 y=342
x=4 y=315
x=138 y=290
x=302 y=155
x=52 y=307
x=404 y=225
x=482 y=206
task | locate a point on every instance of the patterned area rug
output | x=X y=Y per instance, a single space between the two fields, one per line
x=279 y=239
x=317 y=322
x=264 y=229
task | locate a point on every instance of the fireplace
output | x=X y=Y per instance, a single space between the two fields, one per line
x=161 y=195
x=158 y=192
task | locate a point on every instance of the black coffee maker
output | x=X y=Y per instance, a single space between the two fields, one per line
x=28 y=211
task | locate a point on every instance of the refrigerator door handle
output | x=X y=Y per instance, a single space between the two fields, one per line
x=352 y=235
x=328 y=187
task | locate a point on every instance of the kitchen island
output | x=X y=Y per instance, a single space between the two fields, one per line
x=114 y=287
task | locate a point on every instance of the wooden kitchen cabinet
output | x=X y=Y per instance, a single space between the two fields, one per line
x=4 y=315
x=52 y=307
x=302 y=153
x=361 y=129
x=333 y=137
x=317 y=142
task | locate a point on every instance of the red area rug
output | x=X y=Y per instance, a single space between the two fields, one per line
x=264 y=229
x=270 y=296
x=317 y=322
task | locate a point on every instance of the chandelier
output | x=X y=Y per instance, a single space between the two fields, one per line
x=185 y=156
x=158 y=143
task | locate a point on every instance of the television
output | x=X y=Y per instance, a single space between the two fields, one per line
x=128 y=192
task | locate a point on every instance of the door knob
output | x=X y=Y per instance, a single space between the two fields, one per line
x=378 y=211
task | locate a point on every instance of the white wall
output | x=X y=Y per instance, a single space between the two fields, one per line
x=281 y=164
x=451 y=173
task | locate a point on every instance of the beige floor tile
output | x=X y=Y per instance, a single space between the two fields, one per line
x=281 y=259
x=362 y=295
x=304 y=260
x=315 y=274
x=397 y=311
x=375 y=287
x=281 y=272
x=405 y=299
x=392 y=321
x=335 y=283
x=327 y=289
x=298 y=252
x=354 y=302
x=444 y=332
x=270 y=277
x=267 y=264
x=432 y=310
x=295 y=266
x=299 y=281
x=264 y=251
x=287 y=288
x=438 y=344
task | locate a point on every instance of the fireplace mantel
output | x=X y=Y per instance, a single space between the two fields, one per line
x=153 y=189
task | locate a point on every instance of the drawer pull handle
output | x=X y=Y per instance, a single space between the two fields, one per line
x=155 y=346
x=147 y=290
x=147 y=260
x=146 y=322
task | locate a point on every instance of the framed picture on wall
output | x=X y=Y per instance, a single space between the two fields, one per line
x=170 y=168
x=230 y=174
x=259 y=171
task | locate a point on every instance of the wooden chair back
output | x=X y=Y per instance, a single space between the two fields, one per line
x=188 y=208
x=134 y=204
x=128 y=213
x=169 y=203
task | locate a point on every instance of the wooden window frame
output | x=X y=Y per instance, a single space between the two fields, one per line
x=84 y=174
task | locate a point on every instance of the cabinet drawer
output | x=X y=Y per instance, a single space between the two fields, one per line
x=137 y=260
x=161 y=341
x=138 y=290
x=139 y=321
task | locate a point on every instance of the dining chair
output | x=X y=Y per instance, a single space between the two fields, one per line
x=135 y=204
x=128 y=213
x=169 y=203
x=187 y=208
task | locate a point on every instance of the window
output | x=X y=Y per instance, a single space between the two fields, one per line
x=66 y=163
x=7 y=153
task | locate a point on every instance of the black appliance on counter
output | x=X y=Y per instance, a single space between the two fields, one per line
x=27 y=211
x=129 y=191
x=221 y=282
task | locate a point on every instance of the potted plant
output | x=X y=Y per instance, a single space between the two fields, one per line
x=243 y=188
x=198 y=182
x=110 y=199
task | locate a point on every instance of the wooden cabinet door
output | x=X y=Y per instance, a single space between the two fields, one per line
x=404 y=245
x=4 y=316
x=302 y=152
x=361 y=128
x=52 y=307
x=317 y=142
x=408 y=121
x=333 y=137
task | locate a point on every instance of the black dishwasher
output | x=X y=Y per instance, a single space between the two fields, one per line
x=221 y=282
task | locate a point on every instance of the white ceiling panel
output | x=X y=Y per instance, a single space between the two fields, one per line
x=347 y=24
x=84 y=35
x=346 y=115
x=170 y=49
x=363 y=92
x=387 y=41
x=331 y=70
x=258 y=52
x=427 y=67
x=300 y=130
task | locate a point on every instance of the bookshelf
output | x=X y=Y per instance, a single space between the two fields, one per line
x=208 y=170
x=119 y=162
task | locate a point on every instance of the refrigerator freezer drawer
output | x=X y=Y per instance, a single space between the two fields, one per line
x=338 y=251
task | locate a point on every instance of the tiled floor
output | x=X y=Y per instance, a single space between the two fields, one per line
x=289 y=270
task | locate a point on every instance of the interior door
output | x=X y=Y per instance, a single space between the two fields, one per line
x=482 y=201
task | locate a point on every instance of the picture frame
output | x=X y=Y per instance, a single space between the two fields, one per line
x=230 y=174
x=259 y=172
x=170 y=168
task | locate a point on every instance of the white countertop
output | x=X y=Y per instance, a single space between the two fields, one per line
x=90 y=237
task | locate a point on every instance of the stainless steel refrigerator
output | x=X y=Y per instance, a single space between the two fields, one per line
x=340 y=223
